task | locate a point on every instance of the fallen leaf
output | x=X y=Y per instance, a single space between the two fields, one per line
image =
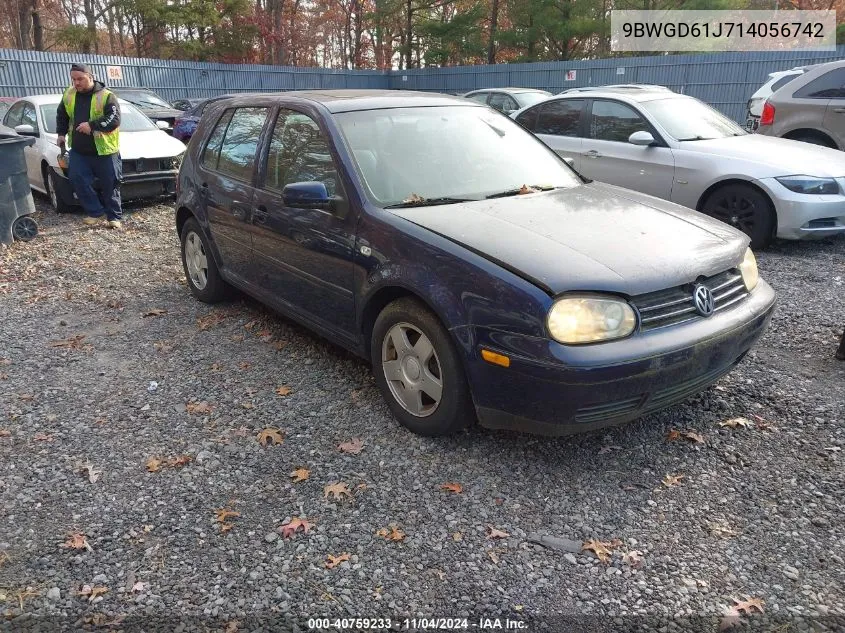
x=439 y=573
x=232 y=627
x=223 y=515
x=338 y=490
x=238 y=338
x=283 y=391
x=334 y=561
x=493 y=556
x=179 y=462
x=155 y=312
x=494 y=533
x=199 y=408
x=4 y=558
x=413 y=198
x=633 y=558
x=216 y=367
x=735 y=422
x=226 y=527
x=525 y=189
x=77 y=540
x=264 y=334
x=721 y=529
x=5 y=433
x=601 y=549
x=138 y=587
x=244 y=365
x=241 y=432
x=4 y=376
x=210 y=320
x=695 y=437
x=154 y=464
x=392 y=534
x=74 y=342
x=26 y=397
x=732 y=614
x=672 y=480
x=288 y=529
x=97 y=591
x=270 y=436
x=93 y=475
x=353 y=446
x=247 y=405
x=42 y=437
x=673 y=435
x=5 y=362
x=451 y=487
x=280 y=345
x=300 y=474
x=250 y=325
x=457 y=536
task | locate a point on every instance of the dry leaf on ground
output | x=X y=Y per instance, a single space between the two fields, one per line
x=154 y=464
x=493 y=556
x=179 y=462
x=494 y=533
x=337 y=490
x=353 y=446
x=391 y=534
x=695 y=437
x=732 y=614
x=224 y=515
x=77 y=540
x=284 y=390
x=290 y=528
x=602 y=549
x=737 y=422
x=74 y=342
x=270 y=436
x=155 y=312
x=300 y=474
x=93 y=475
x=672 y=480
x=43 y=437
x=199 y=408
x=334 y=561
x=452 y=487
x=633 y=558
x=210 y=320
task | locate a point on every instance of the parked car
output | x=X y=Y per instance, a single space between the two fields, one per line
x=186 y=122
x=185 y=104
x=6 y=103
x=776 y=81
x=810 y=108
x=508 y=100
x=478 y=273
x=150 y=157
x=677 y=148
x=622 y=87
x=150 y=104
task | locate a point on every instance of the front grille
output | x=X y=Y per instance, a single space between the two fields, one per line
x=676 y=305
x=143 y=165
x=822 y=223
x=607 y=410
x=682 y=390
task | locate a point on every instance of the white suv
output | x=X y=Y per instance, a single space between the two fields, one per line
x=777 y=80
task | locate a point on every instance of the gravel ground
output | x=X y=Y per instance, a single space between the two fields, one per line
x=108 y=362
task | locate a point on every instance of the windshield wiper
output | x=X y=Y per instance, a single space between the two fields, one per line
x=696 y=138
x=428 y=202
x=520 y=191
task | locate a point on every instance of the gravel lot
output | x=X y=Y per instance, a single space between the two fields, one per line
x=756 y=515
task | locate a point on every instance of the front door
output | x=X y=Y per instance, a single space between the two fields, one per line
x=227 y=185
x=607 y=156
x=304 y=255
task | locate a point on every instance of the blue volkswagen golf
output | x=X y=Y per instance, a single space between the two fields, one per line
x=480 y=275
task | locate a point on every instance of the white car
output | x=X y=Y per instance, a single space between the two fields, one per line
x=678 y=148
x=754 y=107
x=150 y=157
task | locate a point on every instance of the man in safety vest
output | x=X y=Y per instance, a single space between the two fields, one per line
x=88 y=122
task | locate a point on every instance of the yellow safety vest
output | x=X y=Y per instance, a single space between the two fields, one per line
x=106 y=142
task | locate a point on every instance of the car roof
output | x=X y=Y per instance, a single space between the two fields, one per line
x=54 y=99
x=350 y=100
x=609 y=92
x=510 y=90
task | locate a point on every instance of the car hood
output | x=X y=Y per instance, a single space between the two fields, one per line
x=590 y=237
x=146 y=144
x=160 y=113
x=770 y=157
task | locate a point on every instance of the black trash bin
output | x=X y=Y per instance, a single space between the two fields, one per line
x=16 y=203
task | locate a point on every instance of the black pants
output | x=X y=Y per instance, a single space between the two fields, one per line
x=840 y=353
x=83 y=169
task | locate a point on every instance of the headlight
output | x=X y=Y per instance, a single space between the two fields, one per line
x=590 y=319
x=809 y=184
x=748 y=268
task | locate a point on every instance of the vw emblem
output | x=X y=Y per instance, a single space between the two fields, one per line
x=704 y=302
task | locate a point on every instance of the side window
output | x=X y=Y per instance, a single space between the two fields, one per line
x=28 y=116
x=831 y=85
x=13 y=116
x=237 y=154
x=780 y=83
x=612 y=121
x=528 y=119
x=481 y=97
x=211 y=153
x=299 y=152
x=561 y=117
x=502 y=102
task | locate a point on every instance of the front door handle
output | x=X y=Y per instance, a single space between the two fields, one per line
x=259 y=215
x=839 y=110
x=592 y=154
x=239 y=213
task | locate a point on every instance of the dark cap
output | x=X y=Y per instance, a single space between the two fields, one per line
x=82 y=68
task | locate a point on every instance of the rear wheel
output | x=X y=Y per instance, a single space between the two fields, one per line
x=201 y=270
x=815 y=139
x=745 y=208
x=418 y=370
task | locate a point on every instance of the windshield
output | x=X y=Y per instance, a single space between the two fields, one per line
x=144 y=99
x=530 y=98
x=131 y=120
x=688 y=119
x=442 y=153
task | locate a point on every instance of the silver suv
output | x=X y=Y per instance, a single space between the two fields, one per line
x=810 y=108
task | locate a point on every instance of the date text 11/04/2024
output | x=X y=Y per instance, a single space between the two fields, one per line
x=416 y=624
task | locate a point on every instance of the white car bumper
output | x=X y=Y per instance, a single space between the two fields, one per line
x=804 y=216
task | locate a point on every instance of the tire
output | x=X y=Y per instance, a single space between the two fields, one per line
x=417 y=374
x=24 y=228
x=815 y=139
x=199 y=265
x=745 y=208
x=59 y=205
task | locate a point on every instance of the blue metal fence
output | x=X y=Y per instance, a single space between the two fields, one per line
x=724 y=80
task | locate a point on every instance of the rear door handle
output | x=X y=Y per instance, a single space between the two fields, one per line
x=204 y=190
x=259 y=215
x=592 y=154
x=839 y=110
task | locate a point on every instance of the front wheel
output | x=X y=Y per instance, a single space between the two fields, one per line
x=25 y=228
x=201 y=270
x=745 y=208
x=59 y=205
x=418 y=370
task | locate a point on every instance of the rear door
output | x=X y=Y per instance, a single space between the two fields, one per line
x=228 y=171
x=503 y=102
x=559 y=126
x=607 y=156
x=33 y=152
x=304 y=256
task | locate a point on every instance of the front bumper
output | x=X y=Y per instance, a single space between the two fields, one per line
x=133 y=186
x=803 y=216
x=553 y=389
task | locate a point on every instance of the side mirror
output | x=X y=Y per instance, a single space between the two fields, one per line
x=306 y=195
x=162 y=125
x=26 y=130
x=569 y=161
x=641 y=138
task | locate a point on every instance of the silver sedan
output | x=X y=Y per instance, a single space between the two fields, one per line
x=677 y=148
